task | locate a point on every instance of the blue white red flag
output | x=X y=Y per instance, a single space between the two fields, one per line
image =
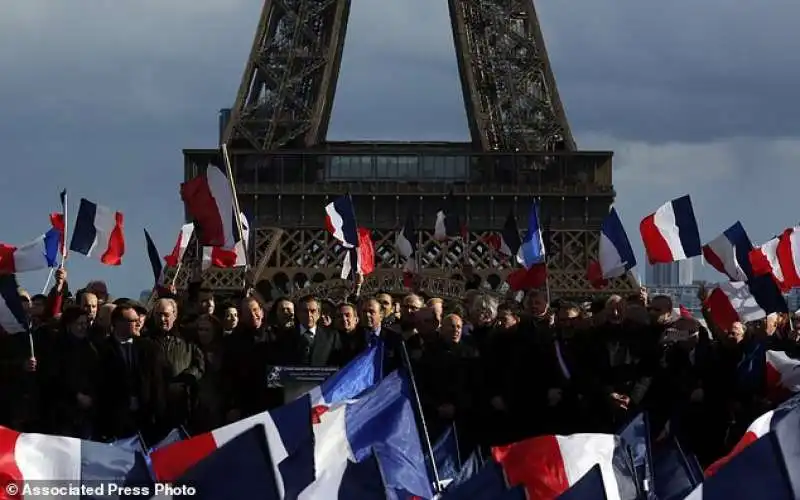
x=532 y=249
x=340 y=220
x=38 y=254
x=98 y=233
x=729 y=253
x=615 y=254
x=670 y=233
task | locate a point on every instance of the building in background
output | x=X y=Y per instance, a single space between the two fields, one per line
x=673 y=274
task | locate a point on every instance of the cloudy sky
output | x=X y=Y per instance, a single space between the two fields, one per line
x=696 y=97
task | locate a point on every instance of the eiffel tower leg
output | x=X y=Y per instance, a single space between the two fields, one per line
x=286 y=93
x=509 y=89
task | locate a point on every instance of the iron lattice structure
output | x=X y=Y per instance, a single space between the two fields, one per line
x=521 y=147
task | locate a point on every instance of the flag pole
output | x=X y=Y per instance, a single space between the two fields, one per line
x=64 y=250
x=229 y=170
x=428 y=445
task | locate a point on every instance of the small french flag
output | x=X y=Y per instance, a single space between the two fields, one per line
x=671 y=234
x=340 y=220
x=98 y=233
x=532 y=250
x=615 y=255
x=729 y=253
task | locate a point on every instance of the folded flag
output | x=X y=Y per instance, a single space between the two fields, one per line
x=288 y=427
x=208 y=199
x=549 y=465
x=670 y=233
x=40 y=253
x=13 y=318
x=615 y=254
x=66 y=461
x=241 y=469
x=98 y=233
x=729 y=253
x=340 y=220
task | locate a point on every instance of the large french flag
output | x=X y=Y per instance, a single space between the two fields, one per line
x=763 y=425
x=208 y=199
x=98 y=233
x=615 y=255
x=40 y=253
x=340 y=220
x=27 y=458
x=13 y=318
x=670 y=233
x=380 y=422
x=729 y=253
x=549 y=465
x=288 y=428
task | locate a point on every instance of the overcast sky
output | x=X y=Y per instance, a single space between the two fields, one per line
x=696 y=97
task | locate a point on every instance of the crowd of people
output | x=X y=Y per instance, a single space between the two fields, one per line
x=101 y=368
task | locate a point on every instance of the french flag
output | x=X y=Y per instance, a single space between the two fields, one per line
x=40 y=253
x=178 y=251
x=379 y=422
x=405 y=242
x=780 y=258
x=340 y=220
x=363 y=255
x=615 y=255
x=208 y=199
x=783 y=375
x=729 y=253
x=155 y=259
x=13 y=318
x=549 y=465
x=732 y=302
x=98 y=233
x=509 y=237
x=27 y=458
x=532 y=249
x=786 y=413
x=224 y=258
x=288 y=427
x=447 y=224
x=671 y=234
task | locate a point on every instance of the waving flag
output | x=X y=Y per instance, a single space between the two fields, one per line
x=98 y=233
x=181 y=245
x=671 y=234
x=288 y=427
x=779 y=258
x=406 y=244
x=208 y=199
x=363 y=255
x=532 y=249
x=615 y=253
x=729 y=253
x=340 y=220
x=549 y=465
x=155 y=259
x=225 y=258
x=508 y=241
x=26 y=457
x=447 y=224
x=782 y=375
x=13 y=318
x=734 y=301
x=40 y=253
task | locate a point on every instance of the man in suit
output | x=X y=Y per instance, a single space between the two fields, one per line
x=318 y=342
x=131 y=392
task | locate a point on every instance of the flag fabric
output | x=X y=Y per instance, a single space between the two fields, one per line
x=732 y=302
x=447 y=223
x=241 y=469
x=380 y=421
x=227 y=258
x=174 y=436
x=181 y=245
x=340 y=220
x=761 y=426
x=487 y=483
x=779 y=258
x=446 y=456
x=208 y=199
x=782 y=375
x=363 y=255
x=532 y=249
x=57 y=221
x=670 y=233
x=509 y=237
x=26 y=457
x=405 y=242
x=675 y=473
x=729 y=253
x=132 y=443
x=549 y=465
x=288 y=427
x=13 y=318
x=759 y=472
x=636 y=436
x=764 y=260
x=155 y=259
x=527 y=279
x=364 y=481
x=615 y=254
x=471 y=466
x=40 y=253
x=589 y=487
x=98 y=233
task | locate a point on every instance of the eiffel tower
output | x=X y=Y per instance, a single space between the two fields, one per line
x=521 y=147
